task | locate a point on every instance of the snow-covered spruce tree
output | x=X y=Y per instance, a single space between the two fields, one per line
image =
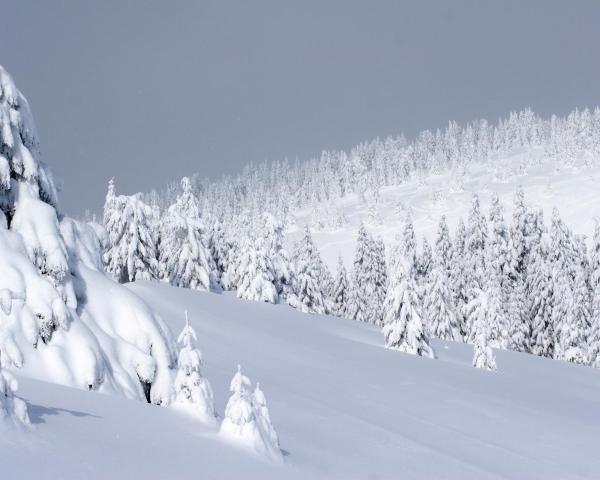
x=594 y=334
x=41 y=252
x=274 y=237
x=28 y=219
x=480 y=314
x=408 y=247
x=259 y=402
x=359 y=308
x=12 y=408
x=441 y=317
x=475 y=242
x=520 y=238
x=256 y=272
x=443 y=246
x=458 y=276
x=131 y=254
x=241 y=425
x=185 y=259
x=515 y=333
x=341 y=291
x=570 y=316
x=539 y=288
x=403 y=325
x=192 y=391
x=424 y=263
x=378 y=282
x=308 y=296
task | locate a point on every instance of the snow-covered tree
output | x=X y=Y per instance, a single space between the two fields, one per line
x=474 y=249
x=441 y=317
x=341 y=291
x=403 y=326
x=378 y=282
x=12 y=408
x=480 y=314
x=256 y=272
x=539 y=289
x=443 y=246
x=424 y=262
x=408 y=247
x=362 y=276
x=41 y=253
x=241 y=423
x=458 y=276
x=308 y=294
x=273 y=230
x=570 y=324
x=593 y=341
x=192 y=390
x=131 y=253
x=185 y=259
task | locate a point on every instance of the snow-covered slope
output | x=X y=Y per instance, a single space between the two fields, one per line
x=573 y=190
x=344 y=407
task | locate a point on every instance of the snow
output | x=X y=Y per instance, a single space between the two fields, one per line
x=430 y=197
x=343 y=405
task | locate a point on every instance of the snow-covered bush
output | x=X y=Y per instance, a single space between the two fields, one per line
x=192 y=391
x=12 y=408
x=246 y=422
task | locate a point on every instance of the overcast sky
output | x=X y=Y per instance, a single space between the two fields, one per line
x=151 y=91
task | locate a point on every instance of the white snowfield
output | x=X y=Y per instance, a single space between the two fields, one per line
x=343 y=406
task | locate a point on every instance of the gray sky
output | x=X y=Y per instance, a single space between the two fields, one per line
x=151 y=91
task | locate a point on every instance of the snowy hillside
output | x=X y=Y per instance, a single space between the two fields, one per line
x=574 y=191
x=344 y=407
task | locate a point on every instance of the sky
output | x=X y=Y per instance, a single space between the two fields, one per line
x=150 y=91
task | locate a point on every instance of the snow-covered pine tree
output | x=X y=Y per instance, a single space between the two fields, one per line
x=308 y=296
x=362 y=276
x=240 y=423
x=443 y=246
x=131 y=253
x=441 y=317
x=593 y=342
x=475 y=242
x=12 y=408
x=185 y=259
x=277 y=254
x=256 y=273
x=571 y=317
x=403 y=327
x=480 y=314
x=408 y=247
x=539 y=288
x=341 y=291
x=29 y=221
x=458 y=276
x=192 y=391
x=377 y=282
x=424 y=263
x=498 y=254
